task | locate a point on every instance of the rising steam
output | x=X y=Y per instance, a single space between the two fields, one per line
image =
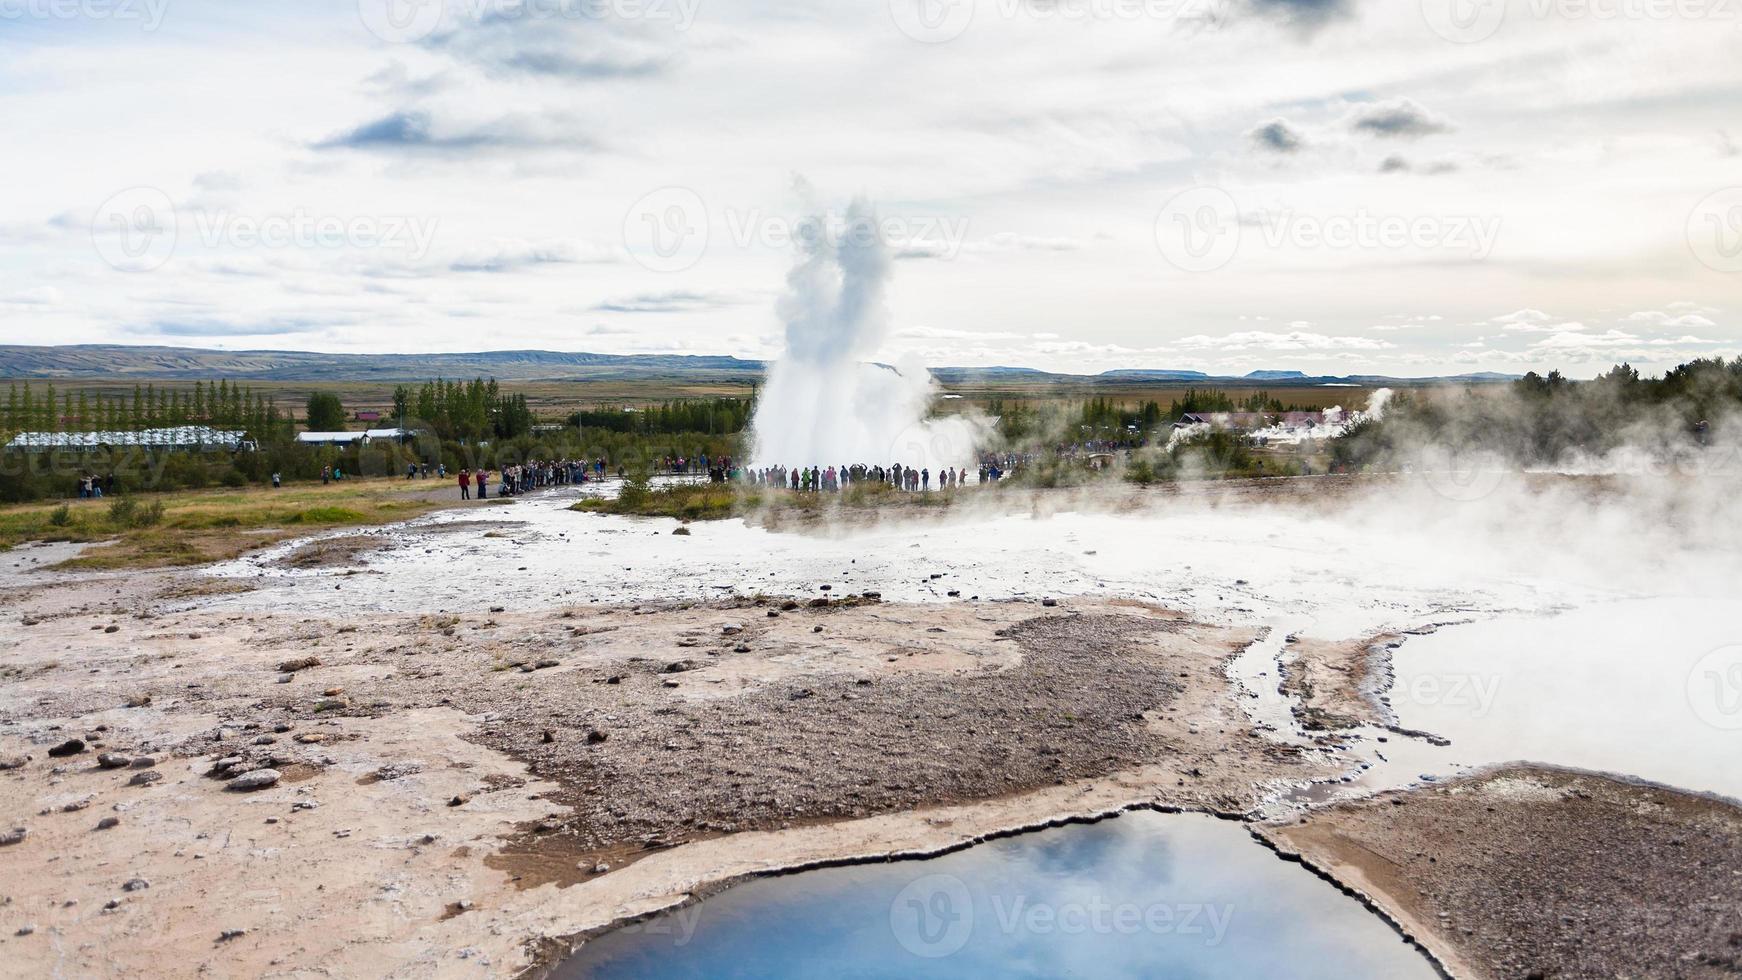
x=825 y=403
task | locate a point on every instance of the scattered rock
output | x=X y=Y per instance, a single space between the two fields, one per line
x=14 y=836
x=13 y=761
x=329 y=704
x=258 y=779
x=548 y=737
x=304 y=663
x=108 y=823
x=311 y=738
x=333 y=692
x=145 y=778
x=547 y=663
x=679 y=666
x=595 y=736
x=26 y=929
x=111 y=629
x=1049 y=603
x=682 y=532
x=113 y=760
x=72 y=746
x=458 y=800
x=138 y=701
x=229 y=934
x=136 y=885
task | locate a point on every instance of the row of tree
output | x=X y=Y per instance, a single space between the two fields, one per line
x=712 y=416
x=221 y=405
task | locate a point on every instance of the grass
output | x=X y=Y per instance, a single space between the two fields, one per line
x=196 y=527
x=716 y=501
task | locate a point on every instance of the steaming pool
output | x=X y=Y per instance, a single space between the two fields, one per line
x=1577 y=660
x=1142 y=894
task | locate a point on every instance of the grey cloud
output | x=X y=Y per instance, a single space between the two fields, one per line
x=1277 y=136
x=675 y=301
x=1399 y=119
x=416 y=130
x=1307 y=15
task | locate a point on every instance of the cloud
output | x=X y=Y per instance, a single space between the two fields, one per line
x=1277 y=136
x=520 y=42
x=36 y=297
x=1295 y=340
x=512 y=255
x=208 y=326
x=674 y=301
x=417 y=130
x=1398 y=164
x=1397 y=119
x=1535 y=321
x=1307 y=15
x=1659 y=318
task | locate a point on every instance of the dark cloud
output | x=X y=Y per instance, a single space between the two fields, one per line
x=1277 y=136
x=1395 y=164
x=1308 y=15
x=415 y=130
x=217 y=327
x=512 y=256
x=1399 y=119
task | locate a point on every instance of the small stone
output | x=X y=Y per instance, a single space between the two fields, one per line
x=595 y=736
x=333 y=692
x=72 y=746
x=601 y=868
x=311 y=738
x=111 y=629
x=14 y=836
x=145 y=778
x=548 y=737
x=292 y=666
x=682 y=532
x=138 y=701
x=258 y=779
x=26 y=929
x=136 y=885
x=547 y=663
x=108 y=823
x=329 y=704
x=13 y=761
x=113 y=760
x=264 y=740
x=458 y=801
x=1049 y=602
x=229 y=934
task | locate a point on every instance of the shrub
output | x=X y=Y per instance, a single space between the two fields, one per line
x=61 y=516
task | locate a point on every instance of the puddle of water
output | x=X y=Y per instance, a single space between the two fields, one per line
x=1143 y=894
x=1642 y=687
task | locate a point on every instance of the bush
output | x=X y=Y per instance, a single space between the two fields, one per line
x=61 y=516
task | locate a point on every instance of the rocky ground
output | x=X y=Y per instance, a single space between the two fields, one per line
x=1532 y=872
x=421 y=795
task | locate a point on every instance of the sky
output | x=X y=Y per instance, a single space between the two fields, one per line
x=1407 y=187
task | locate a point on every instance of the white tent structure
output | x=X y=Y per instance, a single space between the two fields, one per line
x=181 y=438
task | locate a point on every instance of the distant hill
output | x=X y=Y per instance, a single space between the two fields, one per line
x=122 y=362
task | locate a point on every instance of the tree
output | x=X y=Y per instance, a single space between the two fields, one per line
x=325 y=413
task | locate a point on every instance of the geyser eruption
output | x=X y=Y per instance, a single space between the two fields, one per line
x=824 y=404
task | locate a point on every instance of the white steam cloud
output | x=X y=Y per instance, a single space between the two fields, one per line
x=825 y=404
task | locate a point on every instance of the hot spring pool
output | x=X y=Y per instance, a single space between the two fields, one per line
x=1143 y=894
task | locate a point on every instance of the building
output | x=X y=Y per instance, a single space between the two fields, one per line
x=181 y=438
x=363 y=438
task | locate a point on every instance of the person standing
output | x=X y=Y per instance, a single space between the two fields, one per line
x=483 y=484
x=465 y=485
